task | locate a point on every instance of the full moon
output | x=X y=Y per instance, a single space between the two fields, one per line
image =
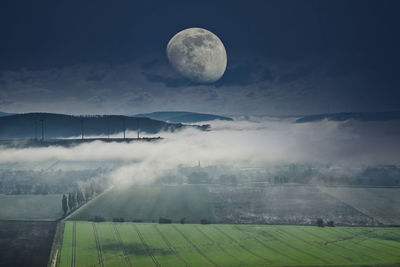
x=198 y=55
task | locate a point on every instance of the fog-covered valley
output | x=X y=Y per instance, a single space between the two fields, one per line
x=259 y=170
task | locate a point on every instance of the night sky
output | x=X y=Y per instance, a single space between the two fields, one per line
x=284 y=57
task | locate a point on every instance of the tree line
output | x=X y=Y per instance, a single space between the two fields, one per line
x=77 y=198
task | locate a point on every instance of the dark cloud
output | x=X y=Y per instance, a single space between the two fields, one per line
x=250 y=95
x=149 y=65
x=95 y=77
x=238 y=75
x=211 y=95
x=167 y=81
x=142 y=98
x=96 y=99
x=306 y=91
x=242 y=73
x=267 y=75
x=4 y=102
x=298 y=72
x=246 y=72
x=128 y=89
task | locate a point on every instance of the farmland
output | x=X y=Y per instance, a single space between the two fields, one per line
x=30 y=207
x=249 y=204
x=283 y=204
x=25 y=243
x=149 y=244
x=383 y=203
x=149 y=203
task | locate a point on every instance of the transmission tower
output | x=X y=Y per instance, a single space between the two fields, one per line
x=82 y=133
x=42 y=121
x=138 y=128
x=124 y=122
x=36 y=137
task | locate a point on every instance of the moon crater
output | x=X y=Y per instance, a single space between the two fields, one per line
x=198 y=55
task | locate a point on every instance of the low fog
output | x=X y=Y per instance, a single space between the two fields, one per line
x=343 y=146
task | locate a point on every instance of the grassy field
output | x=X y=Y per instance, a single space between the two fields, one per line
x=147 y=244
x=30 y=207
x=149 y=203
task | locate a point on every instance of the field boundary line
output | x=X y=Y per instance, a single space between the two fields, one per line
x=59 y=235
x=73 y=261
x=218 y=244
x=334 y=243
x=299 y=250
x=377 y=242
x=353 y=235
x=374 y=249
x=146 y=246
x=55 y=255
x=169 y=245
x=62 y=221
x=194 y=246
x=243 y=247
x=121 y=244
x=78 y=209
x=98 y=247
x=311 y=244
x=268 y=247
x=364 y=212
x=58 y=252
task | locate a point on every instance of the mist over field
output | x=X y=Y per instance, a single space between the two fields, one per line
x=341 y=147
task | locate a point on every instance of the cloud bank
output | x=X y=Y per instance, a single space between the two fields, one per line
x=249 y=86
x=239 y=143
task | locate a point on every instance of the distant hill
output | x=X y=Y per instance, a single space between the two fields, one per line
x=360 y=116
x=182 y=116
x=5 y=114
x=29 y=125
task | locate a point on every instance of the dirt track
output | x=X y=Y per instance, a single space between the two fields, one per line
x=60 y=229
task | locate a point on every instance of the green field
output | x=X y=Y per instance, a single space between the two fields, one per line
x=149 y=244
x=149 y=203
x=30 y=207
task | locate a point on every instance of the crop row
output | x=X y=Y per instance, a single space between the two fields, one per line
x=146 y=244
